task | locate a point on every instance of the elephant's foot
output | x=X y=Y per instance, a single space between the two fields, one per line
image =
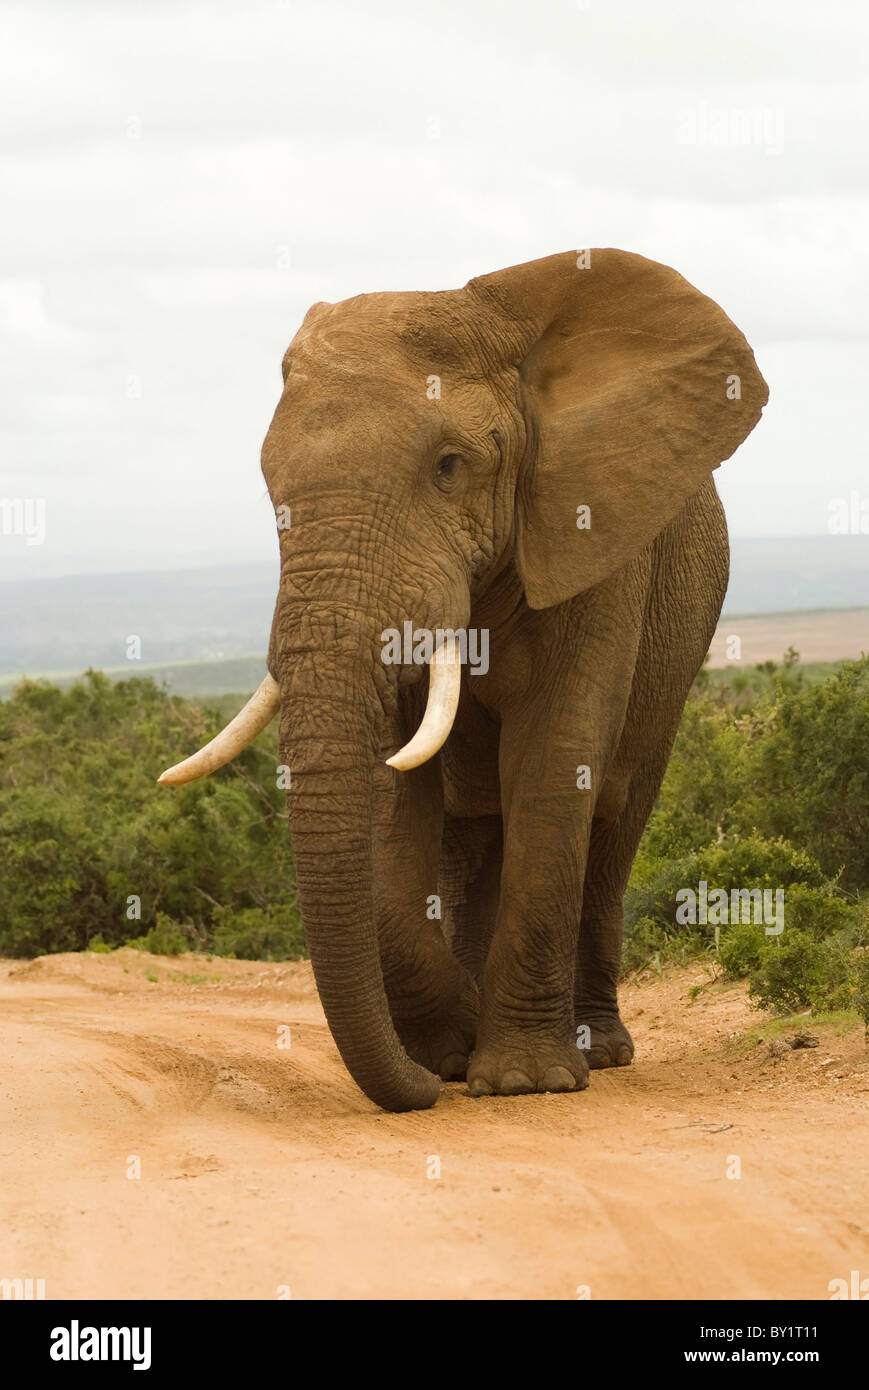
x=443 y=1041
x=526 y=1064
x=606 y=1041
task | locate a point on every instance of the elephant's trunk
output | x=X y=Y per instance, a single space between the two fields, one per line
x=330 y=804
x=331 y=736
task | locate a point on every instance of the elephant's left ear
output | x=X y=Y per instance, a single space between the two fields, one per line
x=636 y=386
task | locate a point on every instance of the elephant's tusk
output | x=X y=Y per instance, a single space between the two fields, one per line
x=259 y=711
x=444 y=684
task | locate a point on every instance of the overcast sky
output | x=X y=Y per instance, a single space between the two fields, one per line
x=181 y=181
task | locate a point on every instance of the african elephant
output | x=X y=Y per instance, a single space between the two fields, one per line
x=528 y=458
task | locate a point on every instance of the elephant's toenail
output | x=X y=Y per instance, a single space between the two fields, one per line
x=479 y=1087
x=559 y=1079
x=624 y=1056
x=515 y=1083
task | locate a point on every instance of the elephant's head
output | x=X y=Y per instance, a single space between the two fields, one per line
x=423 y=442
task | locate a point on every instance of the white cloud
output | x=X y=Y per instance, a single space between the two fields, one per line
x=27 y=322
x=182 y=180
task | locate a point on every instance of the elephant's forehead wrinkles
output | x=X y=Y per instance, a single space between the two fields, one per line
x=353 y=383
x=306 y=449
x=351 y=350
x=379 y=412
x=402 y=347
x=325 y=438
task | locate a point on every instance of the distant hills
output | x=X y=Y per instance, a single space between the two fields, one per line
x=787 y=574
x=54 y=625
x=222 y=614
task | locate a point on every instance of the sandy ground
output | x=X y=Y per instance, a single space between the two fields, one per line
x=264 y=1168
x=822 y=636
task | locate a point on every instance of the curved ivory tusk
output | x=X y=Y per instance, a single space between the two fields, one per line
x=259 y=711
x=444 y=683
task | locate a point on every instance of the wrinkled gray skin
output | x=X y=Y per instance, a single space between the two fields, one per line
x=609 y=385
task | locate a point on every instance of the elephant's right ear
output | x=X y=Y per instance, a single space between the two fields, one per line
x=637 y=387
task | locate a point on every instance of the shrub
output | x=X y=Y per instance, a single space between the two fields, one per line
x=84 y=829
x=649 y=940
x=810 y=777
x=99 y=946
x=816 y=913
x=819 y=961
x=738 y=862
x=703 y=782
x=258 y=934
x=861 y=986
x=800 y=972
x=164 y=939
x=741 y=947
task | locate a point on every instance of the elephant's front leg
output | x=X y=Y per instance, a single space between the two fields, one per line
x=526 y=1039
x=432 y=999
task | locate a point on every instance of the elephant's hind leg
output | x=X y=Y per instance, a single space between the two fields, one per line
x=441 y=1034
x=470 y=882
x=612 y=848
x=600 y=1032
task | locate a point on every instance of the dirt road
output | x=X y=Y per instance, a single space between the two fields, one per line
x=826 y=635
x=263 y=1168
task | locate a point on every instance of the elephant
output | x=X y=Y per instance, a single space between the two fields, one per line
x=529 y=458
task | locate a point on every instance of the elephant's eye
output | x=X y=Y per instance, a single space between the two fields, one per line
x=447 y=470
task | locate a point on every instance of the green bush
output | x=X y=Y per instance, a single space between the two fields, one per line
x=817 y=913
x=93 y=848
x=767 y=787
x=810 y=772
x=861 y=985
x=164 y=939
x=789 y=977
x=100 y=947
x=799 y=972
x=818 y=960
x=703 y=784
x=649 y=940
x=748 y=861
x=740 y=948
x=255 y=933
